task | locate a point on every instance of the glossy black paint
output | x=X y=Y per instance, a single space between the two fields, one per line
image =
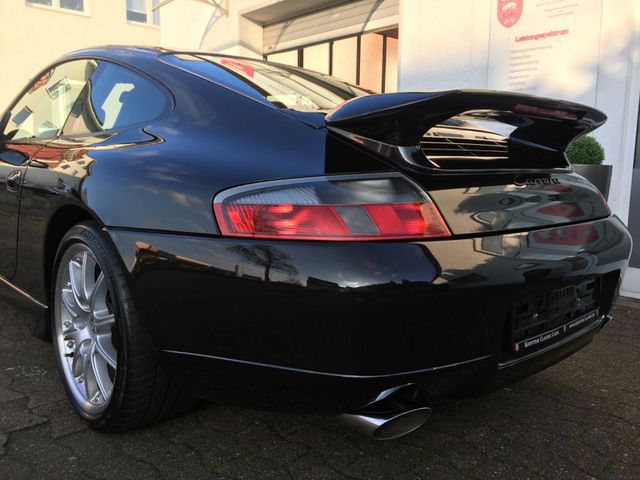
x=356 y=316
x=402 y=118
x=377 y=314
x=507 y=202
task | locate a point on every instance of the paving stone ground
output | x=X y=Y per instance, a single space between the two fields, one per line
x=577 y=420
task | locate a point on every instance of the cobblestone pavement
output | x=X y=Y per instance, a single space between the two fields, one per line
x=579 y=419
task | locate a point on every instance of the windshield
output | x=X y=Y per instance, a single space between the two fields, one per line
x=281 y=85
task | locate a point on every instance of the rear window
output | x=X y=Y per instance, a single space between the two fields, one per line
x=279 y=85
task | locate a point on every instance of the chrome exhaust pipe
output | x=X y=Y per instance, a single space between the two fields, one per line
x=605 y=321
x=391 y=414
x=388 y=427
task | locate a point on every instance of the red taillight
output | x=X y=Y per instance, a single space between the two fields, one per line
x=280 y=221
x=315 y=209
x=410 y=219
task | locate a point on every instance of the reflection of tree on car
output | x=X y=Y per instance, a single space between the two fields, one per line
x=267 y=257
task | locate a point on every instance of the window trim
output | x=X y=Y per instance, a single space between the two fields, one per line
x=148 y=12
x=55 y=7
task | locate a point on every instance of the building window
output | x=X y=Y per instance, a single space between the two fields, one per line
x=77 y=5
x=369 y=60
x=48 y=3
x=142 y=11
x=155 y=12
x=73 y=5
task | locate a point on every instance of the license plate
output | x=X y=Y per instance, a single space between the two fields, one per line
x=555 y=334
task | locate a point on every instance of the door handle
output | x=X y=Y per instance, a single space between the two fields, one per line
x=13 y=180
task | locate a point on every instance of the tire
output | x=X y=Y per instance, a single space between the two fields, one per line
x=105 y=356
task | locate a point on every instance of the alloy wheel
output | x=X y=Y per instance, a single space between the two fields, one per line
x=84 y=327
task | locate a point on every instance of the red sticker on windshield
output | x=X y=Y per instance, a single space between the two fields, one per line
x=239 y=66
x=43 y=80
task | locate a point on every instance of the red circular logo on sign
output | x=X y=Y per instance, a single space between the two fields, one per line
x=509 y=12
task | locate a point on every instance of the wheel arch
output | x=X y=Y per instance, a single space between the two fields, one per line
x=41 y=266
x=60 y=222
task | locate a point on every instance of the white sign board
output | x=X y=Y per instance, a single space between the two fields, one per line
x=546 y=47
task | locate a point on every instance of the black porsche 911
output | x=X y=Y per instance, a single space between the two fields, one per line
x=185 y=226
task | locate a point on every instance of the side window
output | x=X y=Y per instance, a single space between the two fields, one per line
x=115 y=97
x=43 y=110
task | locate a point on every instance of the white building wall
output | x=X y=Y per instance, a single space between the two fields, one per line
x=617 y=94
x=31 y=37
x=185 y=25
x=191 y=24
x=443 y=44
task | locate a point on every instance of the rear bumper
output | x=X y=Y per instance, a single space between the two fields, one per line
x=332 y=324
x=254 y=384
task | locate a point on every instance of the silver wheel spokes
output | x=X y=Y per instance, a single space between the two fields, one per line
x=84 y=328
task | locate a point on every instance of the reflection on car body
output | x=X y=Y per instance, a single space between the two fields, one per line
x=186 y=225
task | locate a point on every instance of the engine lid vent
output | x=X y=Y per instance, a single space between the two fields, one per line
x=438 y=145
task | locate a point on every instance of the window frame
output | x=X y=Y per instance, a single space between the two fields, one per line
x=148 y=4
x=56 y=7
x=167 y=111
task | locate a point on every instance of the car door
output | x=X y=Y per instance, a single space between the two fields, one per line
x=30 y=123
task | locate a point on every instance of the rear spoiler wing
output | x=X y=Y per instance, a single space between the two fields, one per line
x=401 y=119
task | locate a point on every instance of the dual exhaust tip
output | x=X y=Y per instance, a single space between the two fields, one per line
x=390 y=415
